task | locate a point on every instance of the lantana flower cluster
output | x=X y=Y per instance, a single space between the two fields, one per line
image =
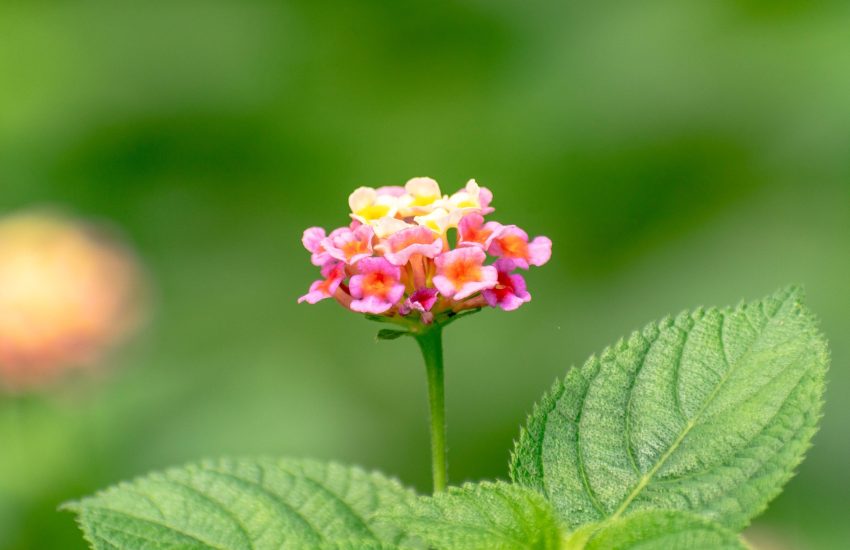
x=395 y=258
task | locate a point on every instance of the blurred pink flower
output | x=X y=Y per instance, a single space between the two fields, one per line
x=68 y=293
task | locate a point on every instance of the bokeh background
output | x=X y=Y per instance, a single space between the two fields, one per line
x=677 y=153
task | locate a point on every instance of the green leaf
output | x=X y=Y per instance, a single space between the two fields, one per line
x=486 y=516
x=654 y=530
x=245 y=504
x=390 y=334
x=708 y=413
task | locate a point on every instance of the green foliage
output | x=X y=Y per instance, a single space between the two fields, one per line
x=673 y=439
x=486 y=516
x=245 y=504
x=709 y=413
x=654 y=530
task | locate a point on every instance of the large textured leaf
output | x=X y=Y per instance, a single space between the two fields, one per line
x=709 y=413
x=487 y=516
x=654 y=530
x=245 y=504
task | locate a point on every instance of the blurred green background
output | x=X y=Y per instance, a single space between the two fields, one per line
x=677 y=153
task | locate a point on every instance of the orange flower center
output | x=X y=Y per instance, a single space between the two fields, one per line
x=325 y=286
x=479 y=235
x=463 y=271
x=514 y=247
x=376 y=284
x=352 y=248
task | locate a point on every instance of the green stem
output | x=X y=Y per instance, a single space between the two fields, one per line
x=431 y=343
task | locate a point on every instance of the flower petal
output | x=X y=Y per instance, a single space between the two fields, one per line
x=400 y=246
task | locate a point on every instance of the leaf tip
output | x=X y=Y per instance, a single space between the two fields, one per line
x=73 y=506
x=390 y=334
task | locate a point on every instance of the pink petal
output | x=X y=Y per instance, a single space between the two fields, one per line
x=395 y=294
x=489 y=278
x=539 y=251
x=371 y=304
x=445 y=286
x=379 y=265
x=506 y=244
x=509 y=302
x=312 y=240
x=338 y=243
x=510 y=292
x=421 y=300
x=392 y=190
x=400 y=246
x=325 y=288
x=312 y=237
x=520 y=290
x=472 y=228
x=355 y=286
x=314 y=295
x=485 y=197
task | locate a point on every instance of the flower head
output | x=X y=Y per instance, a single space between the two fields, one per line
x=395 y=260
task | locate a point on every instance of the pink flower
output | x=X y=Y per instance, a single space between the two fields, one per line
x=400 y=246
x=512 y=244
x=312 y=240
x=509 y=293
x=333 y=273
x=349 y=245
x=472 y=231
x=377 y=287
x=422 y=300
x=461 y=273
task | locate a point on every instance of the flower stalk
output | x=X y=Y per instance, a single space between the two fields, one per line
x=431 y=344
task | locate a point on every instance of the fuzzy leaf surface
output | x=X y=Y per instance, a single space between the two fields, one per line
x=485 y=516
x=654 y=530
x=245 y=504
x=709 y=413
